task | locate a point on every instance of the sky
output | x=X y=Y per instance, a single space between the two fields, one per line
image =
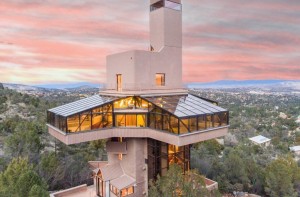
x=64 y=41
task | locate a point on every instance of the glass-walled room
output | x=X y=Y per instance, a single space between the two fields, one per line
x=161 y=119
x=96 y=118
x=138 y=112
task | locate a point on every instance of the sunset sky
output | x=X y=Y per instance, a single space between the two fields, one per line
x=55 y=41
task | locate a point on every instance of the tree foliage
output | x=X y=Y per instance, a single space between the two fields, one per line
x=281 y=174
x=174 y=183
x=19 y=179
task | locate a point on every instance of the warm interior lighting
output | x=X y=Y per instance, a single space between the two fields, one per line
x=160 y=79
x=119 y=82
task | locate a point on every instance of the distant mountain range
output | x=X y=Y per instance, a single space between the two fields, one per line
x=66 y=86
x=70 y=85
x=295 y=84
x=291 y=84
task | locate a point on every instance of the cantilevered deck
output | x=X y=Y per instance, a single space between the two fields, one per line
x=175 y=119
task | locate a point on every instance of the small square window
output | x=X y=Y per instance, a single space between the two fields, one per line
x=160 y=79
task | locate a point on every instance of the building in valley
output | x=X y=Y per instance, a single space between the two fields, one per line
x=261 y=141
x=149 y=119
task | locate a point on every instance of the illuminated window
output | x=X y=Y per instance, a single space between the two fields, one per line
x=127 y=191
x=131 y=120
x=141 y=121
x=97 y=118
x=183 y=126
x=201 y=123
x=224 y=118
x=120 y=120
x=85 y=121
x=119 y=82
x=114 y=190
x=160 y=79
x=73 y=123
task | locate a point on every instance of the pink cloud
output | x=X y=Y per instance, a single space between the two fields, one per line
x=57 y=41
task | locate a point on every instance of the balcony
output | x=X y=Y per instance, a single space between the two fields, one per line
x=141 y=89
x=143 y=132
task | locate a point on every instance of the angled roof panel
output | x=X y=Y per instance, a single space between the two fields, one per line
x=185 y=105
x=111 y=171
x=123 y=181
x=81 y=105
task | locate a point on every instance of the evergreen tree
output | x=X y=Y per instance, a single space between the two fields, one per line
x=280 y=175
x=175 y=184
x=19 y=179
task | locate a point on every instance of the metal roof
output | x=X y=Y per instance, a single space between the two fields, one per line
x=259 y=139
x=185 y=105
x=179 y=105
x=81 y=105
x=123 y=182
x=295 y=148
x=112 y=171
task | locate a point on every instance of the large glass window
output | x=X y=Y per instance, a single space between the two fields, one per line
x=126 y=103
x=120 y=120
x=161 y=155
x=183 y=126
x=86 y=121
x=131 y=120
x=107 y=120
x=166 y=122
x=201 y=123
x=224 y=118
x=141 y=120
x=158 y=121
x=131 y=103
x=193 y=124
x=97 y=118
x=174 y=124
x=160 y=79
x=152 y=120
x=217 y=120
x=62 y=124
x=73 y=123
x=141 y=103
x=209 y=122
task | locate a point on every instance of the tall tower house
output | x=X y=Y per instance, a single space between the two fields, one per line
x=146 y=115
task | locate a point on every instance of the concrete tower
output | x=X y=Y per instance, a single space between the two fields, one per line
x=165 y=24
x=158 y=69
x=148 y=119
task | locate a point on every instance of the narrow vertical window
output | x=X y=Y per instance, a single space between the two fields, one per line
x=160 y=79
x=119 y=82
